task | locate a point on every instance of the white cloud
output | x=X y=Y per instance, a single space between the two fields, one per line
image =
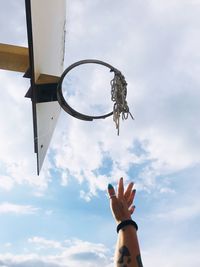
x=44 y=243
x=6 y=182
x=178 y=214
x=164 y=255
x=69 y=253
x=17 y=209
x=8 y=244
x=64 y=179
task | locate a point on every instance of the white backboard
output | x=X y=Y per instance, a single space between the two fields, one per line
x=48 y=29
x=46 y=37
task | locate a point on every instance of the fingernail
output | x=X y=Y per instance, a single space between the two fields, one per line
x=110 y=186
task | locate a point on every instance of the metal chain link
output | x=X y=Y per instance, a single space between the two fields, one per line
x=118 y=96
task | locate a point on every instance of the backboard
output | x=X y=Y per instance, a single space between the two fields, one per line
x=46 y=41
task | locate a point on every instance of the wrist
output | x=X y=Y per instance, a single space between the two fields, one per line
x=123 y=219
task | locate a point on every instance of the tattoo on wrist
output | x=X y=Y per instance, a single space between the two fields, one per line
x=139 y=261
x=125 y=257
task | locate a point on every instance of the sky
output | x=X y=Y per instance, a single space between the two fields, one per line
x=62 y=217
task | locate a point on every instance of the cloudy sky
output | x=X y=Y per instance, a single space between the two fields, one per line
x=61 y=218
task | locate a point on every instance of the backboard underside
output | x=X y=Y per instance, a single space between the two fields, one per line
x=46 y=40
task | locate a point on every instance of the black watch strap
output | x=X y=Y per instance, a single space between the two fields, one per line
x=125 y=223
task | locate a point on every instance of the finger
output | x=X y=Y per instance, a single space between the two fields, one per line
x=132 y=209
x=131 y=198
x=120 y=193
x=128 y=191
x=111 y=191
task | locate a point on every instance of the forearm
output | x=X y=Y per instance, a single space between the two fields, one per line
x=127 y=252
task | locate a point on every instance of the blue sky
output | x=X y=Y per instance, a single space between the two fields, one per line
x=61 y=218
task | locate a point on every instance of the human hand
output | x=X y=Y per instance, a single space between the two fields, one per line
x=121 y=204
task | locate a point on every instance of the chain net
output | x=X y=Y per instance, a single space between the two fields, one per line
x=118 y=96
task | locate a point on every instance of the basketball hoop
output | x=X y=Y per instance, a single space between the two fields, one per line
x=118 y=95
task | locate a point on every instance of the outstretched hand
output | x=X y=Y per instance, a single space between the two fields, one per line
x=122 y=204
